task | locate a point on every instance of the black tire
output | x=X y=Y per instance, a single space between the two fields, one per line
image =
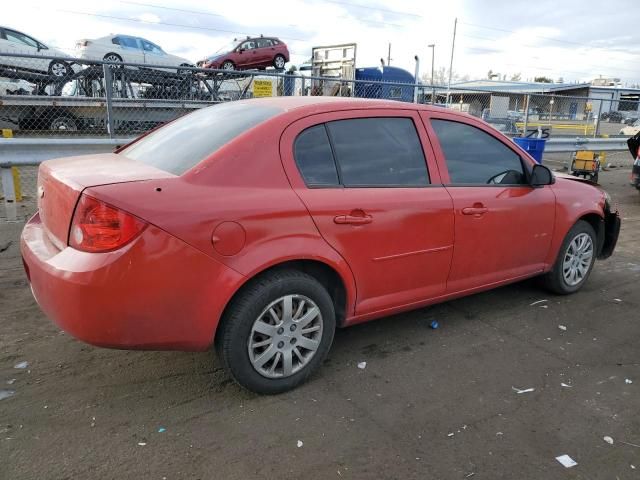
x=112 y=57
x=63 y=123
x=228 y=65
x=232 y=339
x=58 y=68
x=555 y=280
x=279 y=62
x=185 y=71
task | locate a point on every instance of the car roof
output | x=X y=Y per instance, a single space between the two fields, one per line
x=313 y=104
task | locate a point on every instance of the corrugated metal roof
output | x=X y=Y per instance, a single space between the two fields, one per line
x=516 y=87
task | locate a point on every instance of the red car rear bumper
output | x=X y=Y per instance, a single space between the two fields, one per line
x=154 y=293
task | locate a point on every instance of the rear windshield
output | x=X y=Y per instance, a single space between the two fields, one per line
x=187 y=141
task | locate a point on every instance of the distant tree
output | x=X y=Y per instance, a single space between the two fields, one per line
x=491 y=75
x=542 y=80
x=516 y=77
x=560 y=80
x=441 y=77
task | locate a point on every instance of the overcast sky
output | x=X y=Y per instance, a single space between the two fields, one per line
x=575 y=40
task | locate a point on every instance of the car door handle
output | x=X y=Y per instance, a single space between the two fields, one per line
x=352 y=219
x=475 y=210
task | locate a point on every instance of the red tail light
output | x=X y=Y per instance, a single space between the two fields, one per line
x=98 y=227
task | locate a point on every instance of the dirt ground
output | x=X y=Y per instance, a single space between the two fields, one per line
x=438 y=404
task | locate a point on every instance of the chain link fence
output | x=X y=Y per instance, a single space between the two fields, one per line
x=89 y=99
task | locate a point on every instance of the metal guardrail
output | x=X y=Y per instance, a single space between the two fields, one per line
x=559 y=145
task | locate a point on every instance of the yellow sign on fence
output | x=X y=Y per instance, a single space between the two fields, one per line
x=262 y=88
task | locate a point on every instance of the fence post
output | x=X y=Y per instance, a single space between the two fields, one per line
x=526 y=114
x=595 y=131
x=108 y=90
x=9 y=194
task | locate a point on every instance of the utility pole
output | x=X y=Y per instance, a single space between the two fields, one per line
x=433 y=88
x=389 y=55
x=453 y=46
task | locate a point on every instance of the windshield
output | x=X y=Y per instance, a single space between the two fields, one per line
x=185 y=142
x=226 y=48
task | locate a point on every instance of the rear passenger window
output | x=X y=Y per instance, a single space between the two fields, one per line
x=313 y=155
x=378 y=152
x=475 y=157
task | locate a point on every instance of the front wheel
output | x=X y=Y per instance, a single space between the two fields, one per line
x=277 y=332
x=228 y=65
x=575 y=260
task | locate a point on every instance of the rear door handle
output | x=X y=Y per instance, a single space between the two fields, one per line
x=477 y=209
x=353 y=219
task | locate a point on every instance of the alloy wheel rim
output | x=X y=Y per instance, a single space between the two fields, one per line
x=227 y=66
x=112 y=58
x=59 y=69
x=285 y=336
x=577 y=259
x=280 y=62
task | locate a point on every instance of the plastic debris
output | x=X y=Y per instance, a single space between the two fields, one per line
x=566 y=386
x=434 y=324
x=11 y=382
x=617 y=300
x=300 y=444
x=566 y=461
x=537 y=302
x=162 y=429
x=93 y=422
x=526 y=390
x=630 y=444
x=451 y=434
x=628 y=381
x=362 y=365
x=608 y=439
x=6 y=394
x=633 y=467
x=562 y=327
x=142 y=444
x=21 y=365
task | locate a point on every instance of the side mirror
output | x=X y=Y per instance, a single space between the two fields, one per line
x=240 y=50
x=541 y=176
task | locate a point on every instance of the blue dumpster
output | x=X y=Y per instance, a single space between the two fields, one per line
x=533 y=146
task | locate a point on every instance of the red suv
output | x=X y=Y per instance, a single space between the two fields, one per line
x=261 y=226
x=260 y=52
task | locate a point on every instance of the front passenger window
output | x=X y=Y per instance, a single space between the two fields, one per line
x=475 y=157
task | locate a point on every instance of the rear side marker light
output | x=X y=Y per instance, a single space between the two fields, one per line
x=99 y=227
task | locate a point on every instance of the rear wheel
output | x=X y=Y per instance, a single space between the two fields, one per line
x=112 y=57
x=575 y=260
x=63 y=123
x=277 y=332
x=58 y=68
x=279 y=62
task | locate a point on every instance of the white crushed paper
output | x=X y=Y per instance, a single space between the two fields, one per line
x=300 y=443
x=566 y=461
x=142 y=444
x=21 y=365
x=362 y=365
x=617 y=300
x=608 y=439
x=11 y=382
x=628 y=381
x=450 y=434
x=566 y=386
x=562 y=327
x=525 y=390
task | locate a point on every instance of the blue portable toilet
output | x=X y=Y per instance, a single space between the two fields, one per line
x=387 y=90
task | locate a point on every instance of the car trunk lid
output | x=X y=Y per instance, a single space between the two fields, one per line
x=61 y=182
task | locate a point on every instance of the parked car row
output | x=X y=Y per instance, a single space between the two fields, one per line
x=258 y=52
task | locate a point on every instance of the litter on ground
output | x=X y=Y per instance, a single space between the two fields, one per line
x=525 y=390
x=562 y=327
x=434 y=324
x=608 y=439
x=162 y=429
x=362 y=365
x=11 y=382
x=21 y=365
x=300 y=443
x=566 y=461
x=628 y=381
x=566 y=386
x=6 y=394
x=142 y=444
x=537 y=302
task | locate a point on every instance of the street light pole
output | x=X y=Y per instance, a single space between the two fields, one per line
x=433 y=88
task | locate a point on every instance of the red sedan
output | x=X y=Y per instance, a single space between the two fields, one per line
x=259 y=52
x=261 y=226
